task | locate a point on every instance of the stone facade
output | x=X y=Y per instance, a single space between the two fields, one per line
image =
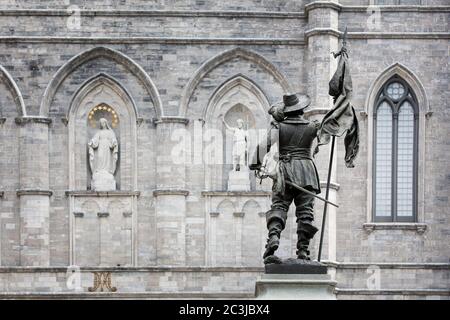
x=172 y=229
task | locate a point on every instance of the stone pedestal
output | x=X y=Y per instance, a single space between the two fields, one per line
x=103 y=181
x=239 y=180
x=295 y=287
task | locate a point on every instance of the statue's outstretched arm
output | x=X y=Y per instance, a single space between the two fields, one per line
x=226 y=125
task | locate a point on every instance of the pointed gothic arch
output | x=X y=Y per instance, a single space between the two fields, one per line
x=95 y=81
x=8 y=80
x=102 y=89
x=88 y=55
x=408 y=76
x=221 y=58
x=233 y=83
x=401 y=72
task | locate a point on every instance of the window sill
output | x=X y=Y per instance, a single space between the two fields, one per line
x=420 y=228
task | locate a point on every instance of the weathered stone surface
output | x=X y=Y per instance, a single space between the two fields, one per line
x=169 y=70
x=295 y=287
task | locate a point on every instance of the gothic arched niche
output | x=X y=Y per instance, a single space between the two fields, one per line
x=237 y=98
x=102 y=97
x=98 y=114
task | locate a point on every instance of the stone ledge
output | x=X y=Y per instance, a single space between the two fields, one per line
x=235 y=193
x=420 y=228
x=397 y=8
x=376 y=35
x=181 y=120
x=156 y=40
x=32 y=119
x=418 y=292
x=156 y=13
x=322 y=32
x=88 y=193
x=126 y=295
x=398 y=35
x=322 y=5
x=24 y=269
x=170 y=192
x=298 y=281
x=33 y=192
x=388 y=265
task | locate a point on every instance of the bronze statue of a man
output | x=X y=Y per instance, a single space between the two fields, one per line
x=295 y=174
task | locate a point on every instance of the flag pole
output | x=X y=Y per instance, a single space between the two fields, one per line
x=343 y=51
x=327 y=193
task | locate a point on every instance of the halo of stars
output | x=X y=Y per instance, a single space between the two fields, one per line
x=103 y=108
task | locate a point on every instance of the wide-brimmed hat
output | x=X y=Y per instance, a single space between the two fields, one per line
x=295 y=102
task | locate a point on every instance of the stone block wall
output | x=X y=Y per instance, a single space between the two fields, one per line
x=168 y=61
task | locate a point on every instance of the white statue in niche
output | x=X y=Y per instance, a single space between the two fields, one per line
x=240 y=138
x=103 y=154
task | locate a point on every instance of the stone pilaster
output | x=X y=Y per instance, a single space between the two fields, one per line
x=170 y=195
x=34 y=191
x=323 y=38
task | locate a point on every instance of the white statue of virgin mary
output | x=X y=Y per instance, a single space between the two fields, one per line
x=103 y=154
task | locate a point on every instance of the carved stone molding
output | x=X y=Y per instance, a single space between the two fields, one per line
x=398 y=35
x=321 y=32
x=322 y=5
x=235 y=193
x=32 y=119
x=175 y=192
x=156 y=13
x=33 y=192
x=397 y=8
x=102 y=214
x=89 y=193
x=387 y=265
x=239 y=214
x=420 y=228
x=78 y=214
x=181 y=120
x=149 y=40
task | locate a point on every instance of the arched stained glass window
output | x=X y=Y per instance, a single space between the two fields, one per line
x=395 y=150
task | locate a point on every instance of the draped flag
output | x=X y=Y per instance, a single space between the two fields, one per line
x=342 y=118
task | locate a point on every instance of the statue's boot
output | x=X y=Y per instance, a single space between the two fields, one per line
x=302 y=250
x=273 y=241
x=305 y=233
